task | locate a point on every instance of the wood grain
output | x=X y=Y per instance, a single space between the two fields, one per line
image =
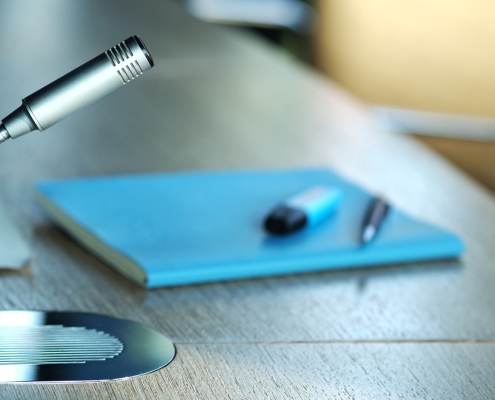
x=301 y=371
x=219 y=99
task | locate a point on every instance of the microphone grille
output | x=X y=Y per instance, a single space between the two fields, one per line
x=128 y=59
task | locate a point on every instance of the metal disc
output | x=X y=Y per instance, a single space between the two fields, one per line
x=38 y=346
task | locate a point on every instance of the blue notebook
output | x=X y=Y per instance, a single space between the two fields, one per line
x=183 y=228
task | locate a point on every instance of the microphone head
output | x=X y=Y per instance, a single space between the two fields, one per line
x=130 y=58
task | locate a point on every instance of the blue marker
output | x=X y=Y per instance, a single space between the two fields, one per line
x=305 y=209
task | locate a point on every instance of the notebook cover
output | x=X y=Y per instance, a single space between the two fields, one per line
x=184 y=228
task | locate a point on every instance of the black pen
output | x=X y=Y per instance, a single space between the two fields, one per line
x=373 y=219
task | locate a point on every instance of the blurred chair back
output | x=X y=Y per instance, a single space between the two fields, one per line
x=419 y=54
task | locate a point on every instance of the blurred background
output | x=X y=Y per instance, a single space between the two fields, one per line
x=427 y=67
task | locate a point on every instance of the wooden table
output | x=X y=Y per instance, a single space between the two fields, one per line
x=219 y=99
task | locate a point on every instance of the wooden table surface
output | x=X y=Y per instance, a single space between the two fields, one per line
x=220 y=99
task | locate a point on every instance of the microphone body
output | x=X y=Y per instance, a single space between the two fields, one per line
x=80 y=87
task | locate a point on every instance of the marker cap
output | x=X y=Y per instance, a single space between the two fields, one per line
x=308 y=208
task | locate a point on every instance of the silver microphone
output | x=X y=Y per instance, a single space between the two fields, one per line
x=80 y=87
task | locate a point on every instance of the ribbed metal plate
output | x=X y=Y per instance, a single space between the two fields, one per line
x=66 y=346
x=55 y=344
